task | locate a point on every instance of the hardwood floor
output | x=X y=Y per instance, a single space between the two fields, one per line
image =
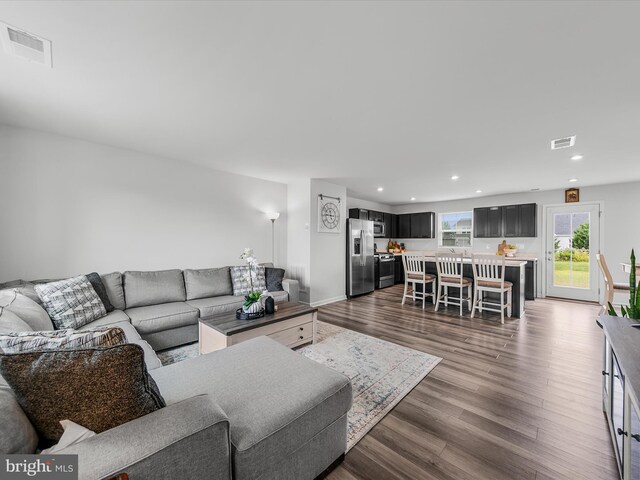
x=515 y=401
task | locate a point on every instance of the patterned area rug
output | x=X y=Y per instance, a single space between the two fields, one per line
x=382 y=373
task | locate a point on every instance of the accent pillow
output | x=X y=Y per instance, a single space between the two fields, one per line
x=61 y=340
x=26 y=309
x=209 y=282
x=98 y=388
x=98 y=286
x=113 y=284
x=241 y=284
x=17 y=435
x=71 y=303
x=10 y=322
x=274 y=278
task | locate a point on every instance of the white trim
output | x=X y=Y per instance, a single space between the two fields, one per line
x=328 y=301
x=440 y=231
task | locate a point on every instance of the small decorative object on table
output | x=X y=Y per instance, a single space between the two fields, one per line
x=251 y=307
x=269 y=305
x=507 y=250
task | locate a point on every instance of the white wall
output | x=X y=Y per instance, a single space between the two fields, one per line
x=620 y=228
x=298 y=235
x=328 y=250
x=70 y=207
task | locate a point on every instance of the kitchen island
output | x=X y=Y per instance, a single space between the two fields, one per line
x=515 y=273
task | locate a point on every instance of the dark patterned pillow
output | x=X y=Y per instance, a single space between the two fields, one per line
x=241 y=284
x=71 y=303
x=98 y=286
x=98 y=388
x=274 y=278
x=61 y=340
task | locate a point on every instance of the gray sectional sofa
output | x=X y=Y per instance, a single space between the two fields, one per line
x=256 y=410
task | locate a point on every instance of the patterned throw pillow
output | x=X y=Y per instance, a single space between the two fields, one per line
x=61 y=340
x=241 y=284
x=71 y=303
x=98 y=388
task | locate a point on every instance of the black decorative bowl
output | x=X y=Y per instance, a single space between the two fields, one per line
x=240 y=315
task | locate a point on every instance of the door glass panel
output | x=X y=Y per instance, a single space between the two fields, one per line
x=571 y=262
x=617 y=406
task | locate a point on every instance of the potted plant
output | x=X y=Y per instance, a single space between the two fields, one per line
x=251 y=305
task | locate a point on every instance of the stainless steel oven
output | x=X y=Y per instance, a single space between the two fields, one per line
x=379 y=230
x=385 y=270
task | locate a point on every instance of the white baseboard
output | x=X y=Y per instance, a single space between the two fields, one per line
x=328 y=301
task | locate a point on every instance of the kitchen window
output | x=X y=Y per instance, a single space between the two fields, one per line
x=456 y=229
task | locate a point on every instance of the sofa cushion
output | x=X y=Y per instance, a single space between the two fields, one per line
x=17 y=435
x=274 y=277
x=72 y=302
x=275 y=398
x=98 y=286
x=165 y=316
x=117 y=316
x=279 y=297
x=113 y=285
x=210 y=282
x=61 y=339
x=98 y=388
x=215 y=305
x=152 y=288
x=241 y=283
x=150 y=357
x=10 y=322
x=29 y=311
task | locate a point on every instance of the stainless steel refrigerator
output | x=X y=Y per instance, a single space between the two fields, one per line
x=360 y=265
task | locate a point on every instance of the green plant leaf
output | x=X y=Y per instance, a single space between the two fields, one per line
x=611 y=311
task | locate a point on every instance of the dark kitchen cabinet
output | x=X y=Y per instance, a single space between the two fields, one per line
x=404 y=226
x=359 y=213
x=505 y=221
x=422 y=225
x=376 y=216
x=399 y=269
x=530 y=282
x=388 y=225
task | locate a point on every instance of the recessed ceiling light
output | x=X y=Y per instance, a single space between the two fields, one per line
x=413 y=199
x=535 y=189
x=577 y=157
x=380 y=189
x=454 y=177
x=572 y=180
x=478 y=191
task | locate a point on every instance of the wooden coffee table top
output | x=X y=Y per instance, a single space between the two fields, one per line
x=228 y=324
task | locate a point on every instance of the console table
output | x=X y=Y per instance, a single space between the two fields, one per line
x=621 y=391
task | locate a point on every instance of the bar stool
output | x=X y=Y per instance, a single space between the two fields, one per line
x=488 y=273
x=414 y=265
x=611 y=286
x=450 y=274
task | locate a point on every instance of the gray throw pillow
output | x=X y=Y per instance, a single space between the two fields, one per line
x=98 y=388
x=113 y=285
x=10 y=322
x=29 y=311
x=274 y=278
x=209 y=282
x=241 y=284
x=98 y=286
x=16 y=432
x=61 y=339
x=71 y=303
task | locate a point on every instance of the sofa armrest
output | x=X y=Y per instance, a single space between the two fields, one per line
x=188 y=439
x=292 y=287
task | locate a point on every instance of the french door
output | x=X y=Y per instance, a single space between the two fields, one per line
x=573 y=240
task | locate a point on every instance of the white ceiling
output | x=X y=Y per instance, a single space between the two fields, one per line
x=365 y=94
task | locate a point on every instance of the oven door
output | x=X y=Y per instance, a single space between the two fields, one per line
x=378 y=229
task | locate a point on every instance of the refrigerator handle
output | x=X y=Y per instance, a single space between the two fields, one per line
x=363 y=249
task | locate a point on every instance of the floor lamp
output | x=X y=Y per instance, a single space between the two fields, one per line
x=273 y=216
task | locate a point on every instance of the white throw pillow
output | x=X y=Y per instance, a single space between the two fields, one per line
x=26 y=309
x=73 y=433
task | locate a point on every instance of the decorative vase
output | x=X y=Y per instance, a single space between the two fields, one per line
x=269 y=305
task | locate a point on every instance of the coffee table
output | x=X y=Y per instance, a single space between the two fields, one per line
x=293 y=324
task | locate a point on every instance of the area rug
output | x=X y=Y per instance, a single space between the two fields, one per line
x=381 y=373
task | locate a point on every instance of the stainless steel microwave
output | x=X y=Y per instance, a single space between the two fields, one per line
x=379 y=230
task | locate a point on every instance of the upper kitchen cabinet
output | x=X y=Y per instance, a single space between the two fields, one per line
x=505 y=221
x=376 y=216
x=389 y=225
x=423 y=225
x=359 y=213
x=404 y=226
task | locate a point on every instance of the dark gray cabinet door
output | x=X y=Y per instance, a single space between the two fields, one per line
x=422 y=225
x=480 y=222
x=376 y=216
x=494 y=222
x=511 y=221
x=399 y=270
x=404 y=225
x=388 y=225
x=359 y=213
x=528 y=220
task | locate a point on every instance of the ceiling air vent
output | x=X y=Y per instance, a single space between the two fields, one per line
x=563 y=142
x=25 y=45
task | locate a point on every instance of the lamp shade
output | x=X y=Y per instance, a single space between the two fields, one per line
x=273 y=215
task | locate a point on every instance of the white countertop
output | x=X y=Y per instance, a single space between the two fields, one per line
x=518 y=260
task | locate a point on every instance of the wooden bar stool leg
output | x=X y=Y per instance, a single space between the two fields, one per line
x=509 y=298
x=502 y=305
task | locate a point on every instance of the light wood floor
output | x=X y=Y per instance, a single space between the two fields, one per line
x=515 y=401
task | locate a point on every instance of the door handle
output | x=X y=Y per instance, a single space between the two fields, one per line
x=621 y=432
